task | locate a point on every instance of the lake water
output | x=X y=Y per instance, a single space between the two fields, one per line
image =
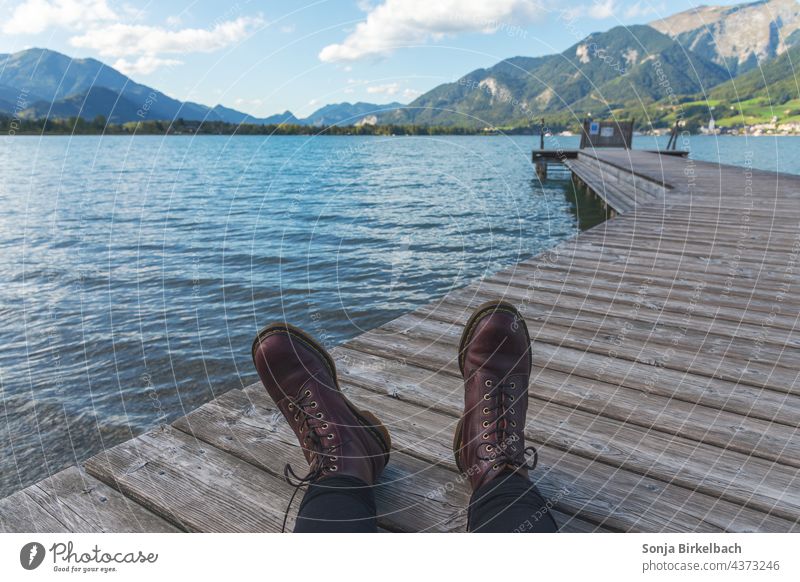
x=136 y=271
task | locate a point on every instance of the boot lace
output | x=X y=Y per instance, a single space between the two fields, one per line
x=500 y=434
x=317 y=433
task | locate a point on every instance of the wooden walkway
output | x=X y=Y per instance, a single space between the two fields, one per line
x=665 y=393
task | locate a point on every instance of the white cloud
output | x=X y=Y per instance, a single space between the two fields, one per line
x=601 y=10
x=144 y=65
x=120 y=40
x=598 y=10
x=35 y=16
x=288 y=28
x=391 y=89
x=398 y=23
x=241 y=101
x=387 y=89
x=117 y=32
x=642 y=9
x=130 y=12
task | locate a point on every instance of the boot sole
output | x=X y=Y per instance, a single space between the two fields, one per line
x=367 y=419
x=482 y=310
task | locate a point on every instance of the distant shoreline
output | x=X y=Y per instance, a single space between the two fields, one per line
x=99 y=126
x=344 y=134
x=10 y=126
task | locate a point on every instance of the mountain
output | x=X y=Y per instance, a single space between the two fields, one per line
x=18 y=98
x=94 y=102
x=643 y=71
x=623 y=65
x=775 y=82
x=737 y=37
x=285 y=117
x=653 y=78
x=478 y=98
x=347 y=113
x=38 y=82
x=49 y=75
x=52 y=77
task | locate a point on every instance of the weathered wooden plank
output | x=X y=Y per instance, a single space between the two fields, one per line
x=192 y=484
x=678 y=349
x=742 y=400
x=750 y=242
x=737 y=477
x=703 y=340
x=85 y=504
x=249 y=426
x=646 y=409
x=594 y=271
x=603 y=494
x=665 y=265
x=609 y=190
x=412 y=495
x=640 y=168
x=21 y=514
x=770 y=261
x=642 y=292
x=614 y=309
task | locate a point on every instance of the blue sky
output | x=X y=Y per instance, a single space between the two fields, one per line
x=264 y=57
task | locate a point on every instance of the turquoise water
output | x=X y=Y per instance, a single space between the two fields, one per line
x=137 y=270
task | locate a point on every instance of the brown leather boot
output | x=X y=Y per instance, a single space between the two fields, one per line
x=337 y=438
x=495 y=360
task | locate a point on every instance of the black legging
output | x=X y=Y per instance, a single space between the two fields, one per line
x=508 y=503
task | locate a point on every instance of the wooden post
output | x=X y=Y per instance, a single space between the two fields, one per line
x=673 y=137
x=541 y=135
x=541 y=169
x=584 y=129
x=629 y=139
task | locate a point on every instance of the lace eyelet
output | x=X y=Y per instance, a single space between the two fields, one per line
x=495 y=467
x=485 y=437
x=330 y=437
x=511 y=411
x=296 y=417
x=486 y=410
x=489 y=448
x=325 y=426
x=513 y=385
x=314 y=404
x=291 y=406
x=488 y=383
x=334 y=459
x=513 y=423
x=307 y=392
x=485 y=424
x=319 y=415
x=334 y=468
x=486 y=397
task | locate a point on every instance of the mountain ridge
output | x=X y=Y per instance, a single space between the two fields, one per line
x=600 y=70
x=47 y=81
x=639 y=70
x=739 y=37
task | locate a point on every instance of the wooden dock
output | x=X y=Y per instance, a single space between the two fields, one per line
x=558 y=160
x=664 y=398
